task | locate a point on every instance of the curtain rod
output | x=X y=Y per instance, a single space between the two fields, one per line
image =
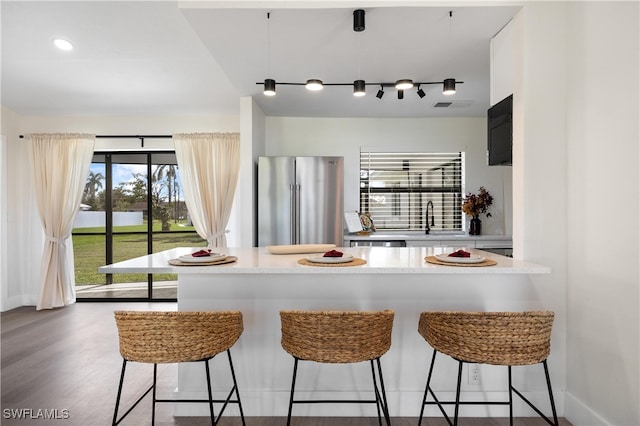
x=129 y=136
x=141 y=137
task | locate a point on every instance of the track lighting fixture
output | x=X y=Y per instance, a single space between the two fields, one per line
x=449 y=86
x=359 y=85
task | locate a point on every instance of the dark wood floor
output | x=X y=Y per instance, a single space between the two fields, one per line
x=68 y=360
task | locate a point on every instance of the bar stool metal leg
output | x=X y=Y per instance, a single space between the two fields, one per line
x=293 y=385
x=209 y=392
x=385 y=406
x=117 y=421
x=553 y=405
x=153 y=398
x=235 y=386
x=115 y=411
x=428 y=390
x=510 y=398
x=455 y=416
x=377 y=394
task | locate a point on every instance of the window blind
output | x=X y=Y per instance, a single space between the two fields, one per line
x=396 y=187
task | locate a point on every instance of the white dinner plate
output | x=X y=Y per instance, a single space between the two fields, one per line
x=451 y=259
x=211 y=258
x=321 y=259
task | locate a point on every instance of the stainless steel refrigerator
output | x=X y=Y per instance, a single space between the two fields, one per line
x=300 y=200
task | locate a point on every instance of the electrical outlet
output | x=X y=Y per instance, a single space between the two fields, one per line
x=474 y=374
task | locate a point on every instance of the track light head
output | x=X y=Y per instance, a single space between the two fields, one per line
x=314 y=84
x=380 y=93
x=449 y=86
x=358 y=20
x=400 y=94
x=404 y=84
x=359 y=88
x=420 y=92
x=269 y=87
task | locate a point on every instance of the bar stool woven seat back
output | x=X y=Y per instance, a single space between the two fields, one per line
x=339 y=337
x=497 y=338
x=155 y=337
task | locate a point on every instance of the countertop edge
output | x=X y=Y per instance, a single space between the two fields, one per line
x=403 y=261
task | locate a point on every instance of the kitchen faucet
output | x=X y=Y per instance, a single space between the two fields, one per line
x=427 y=228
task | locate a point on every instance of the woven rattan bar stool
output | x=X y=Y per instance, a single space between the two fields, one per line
x=339 y=337
x=176 y=337
x=496 y=338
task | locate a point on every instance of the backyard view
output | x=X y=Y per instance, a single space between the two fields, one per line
x=125 y=215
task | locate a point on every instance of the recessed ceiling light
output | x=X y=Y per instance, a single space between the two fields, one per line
x=62 y=44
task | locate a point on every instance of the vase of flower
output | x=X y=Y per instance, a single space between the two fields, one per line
x=475 y=226
x=474 y=205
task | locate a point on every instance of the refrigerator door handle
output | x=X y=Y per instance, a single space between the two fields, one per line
x=292 y=214
x=296 y=218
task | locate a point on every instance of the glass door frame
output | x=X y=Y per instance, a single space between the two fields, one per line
x=108 y=234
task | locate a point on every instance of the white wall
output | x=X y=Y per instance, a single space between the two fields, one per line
x=539 y=163
x=345 y=136
x=576 y=193
x=603 y=256
x=3 y=217
x=252 y=136
x=24 y=234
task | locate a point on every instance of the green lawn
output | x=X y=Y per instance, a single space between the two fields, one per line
x=89 y=251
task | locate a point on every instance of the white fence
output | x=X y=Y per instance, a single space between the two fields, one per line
x=96 y=219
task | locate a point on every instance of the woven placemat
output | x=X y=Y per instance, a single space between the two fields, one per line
x=178 y=262
x=355 y=262
x=434 y=260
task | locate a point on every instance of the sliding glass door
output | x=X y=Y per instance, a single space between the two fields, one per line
x=133 y=205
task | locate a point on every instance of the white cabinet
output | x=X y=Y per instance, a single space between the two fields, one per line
x=502 y=247
x=493 y=244
x=497 y=244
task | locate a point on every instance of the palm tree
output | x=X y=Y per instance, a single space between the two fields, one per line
x=91 y=188
x=170 y=172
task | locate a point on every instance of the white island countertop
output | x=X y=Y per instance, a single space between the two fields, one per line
x=260 y=285
x=380 y=260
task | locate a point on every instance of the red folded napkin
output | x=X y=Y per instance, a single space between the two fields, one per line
x=460 y=253
x=202 y=253
x=333 y=253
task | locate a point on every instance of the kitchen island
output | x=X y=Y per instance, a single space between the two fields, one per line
x=261 y=284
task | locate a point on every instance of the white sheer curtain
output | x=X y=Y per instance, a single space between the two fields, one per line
x=209 y=166
x=60 y=166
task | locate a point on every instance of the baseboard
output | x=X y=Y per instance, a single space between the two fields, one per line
x=578 y=413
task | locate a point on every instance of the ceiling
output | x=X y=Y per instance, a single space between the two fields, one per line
x=155 y=58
